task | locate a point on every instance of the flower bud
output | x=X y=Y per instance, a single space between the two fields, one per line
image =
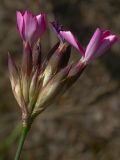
x=49 y=92
x=14 y=79
x=26 y=69
x=57 y=61
x=16 y=87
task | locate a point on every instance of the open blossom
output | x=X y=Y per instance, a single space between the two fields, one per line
x=98 y=44
x=30 y=27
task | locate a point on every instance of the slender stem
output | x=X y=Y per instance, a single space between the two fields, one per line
x=21 y=142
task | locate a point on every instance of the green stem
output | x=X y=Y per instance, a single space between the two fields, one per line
x=21 y=142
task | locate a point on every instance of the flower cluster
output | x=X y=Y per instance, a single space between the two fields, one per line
x=36 y=83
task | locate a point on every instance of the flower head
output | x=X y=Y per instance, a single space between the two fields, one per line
x=37 y=82
x=30 y=27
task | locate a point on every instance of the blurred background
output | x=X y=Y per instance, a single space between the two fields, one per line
x=85 y=123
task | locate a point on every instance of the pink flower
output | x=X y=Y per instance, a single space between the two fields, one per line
x=99 y=43
x=30 y=27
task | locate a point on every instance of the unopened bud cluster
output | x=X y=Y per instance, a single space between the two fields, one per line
x=37 y=82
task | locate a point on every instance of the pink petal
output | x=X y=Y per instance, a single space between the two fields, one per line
x=93 y=45
x=106 y=44
x=106 y=34
x=69 y=37
x=112 y=38
x=41 y=19
x=19 y=22
x=30 y=26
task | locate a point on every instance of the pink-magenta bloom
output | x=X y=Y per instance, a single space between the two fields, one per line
x=30 y=27
x=99 y=43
